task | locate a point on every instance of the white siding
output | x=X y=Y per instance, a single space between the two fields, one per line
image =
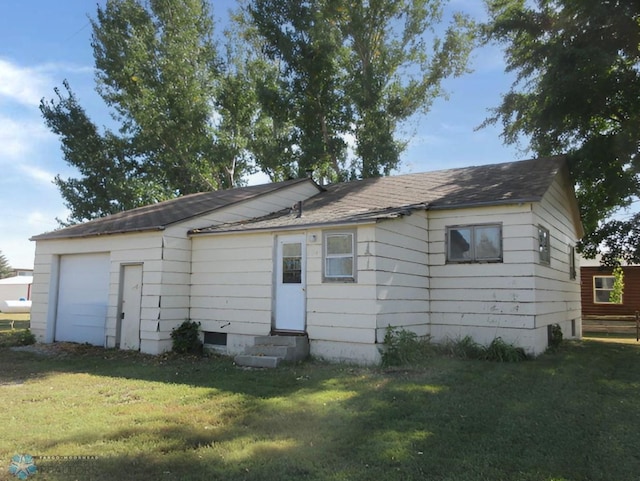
x=515 y=299
x=483 y=300
x=143 y=248
x=402 y=274
x=231 y=283
x=558 y=296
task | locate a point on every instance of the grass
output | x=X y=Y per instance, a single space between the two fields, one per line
x=567 y=416
x=13 y=327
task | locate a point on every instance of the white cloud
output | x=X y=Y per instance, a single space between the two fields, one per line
x=27 y=85
x=19 y=138
x=38 y=174
x=24 y=85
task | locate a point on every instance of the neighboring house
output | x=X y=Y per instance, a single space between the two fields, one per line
x=596 y=287
x=22 y=272
x=483 y=251
x=15 y=288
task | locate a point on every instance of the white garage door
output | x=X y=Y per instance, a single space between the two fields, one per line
x=83 y=294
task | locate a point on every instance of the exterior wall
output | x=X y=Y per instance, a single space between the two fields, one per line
x=123 y=249
x=402 y=274
x=232 y=292
x=557 y=295
x=484 y=300
x=166 y=259
x=341 y=316
x=515 y=299
x=231 y=286
x=630 y=296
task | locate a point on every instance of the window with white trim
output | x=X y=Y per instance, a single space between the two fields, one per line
x=602 y=289
x=544 y=245
x=339 y=256
x=474 y=243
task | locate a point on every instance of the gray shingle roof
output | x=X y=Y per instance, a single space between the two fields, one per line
x=159 y=216
x=385 y=197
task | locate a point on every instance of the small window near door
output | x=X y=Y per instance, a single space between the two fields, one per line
x=339 y=256
x=603 y=288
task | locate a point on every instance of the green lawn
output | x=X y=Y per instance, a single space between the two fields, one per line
x=573 y=415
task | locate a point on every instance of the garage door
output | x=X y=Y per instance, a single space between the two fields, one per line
x=83 y=294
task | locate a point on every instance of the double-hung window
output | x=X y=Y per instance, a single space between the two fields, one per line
x=339 y=256
x=602 y=289
x=474 y=243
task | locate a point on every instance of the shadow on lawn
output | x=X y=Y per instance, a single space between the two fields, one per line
x=566 y=416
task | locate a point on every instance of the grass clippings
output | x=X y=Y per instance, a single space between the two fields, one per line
x=101 y=414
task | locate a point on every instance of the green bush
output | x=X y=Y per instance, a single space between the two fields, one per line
x=555 y=337
x=186 y=338
x=498 y=350
x=402 y=347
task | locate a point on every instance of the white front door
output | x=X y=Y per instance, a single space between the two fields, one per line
x=290 y=283
x=130 y=309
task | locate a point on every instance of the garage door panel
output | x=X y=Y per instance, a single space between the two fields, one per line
x=83 y=295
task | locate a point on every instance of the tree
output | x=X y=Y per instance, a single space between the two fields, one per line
x=356 y=69
x=158 y=70
x=5 y=268
x=392 y=72
x=577 y=66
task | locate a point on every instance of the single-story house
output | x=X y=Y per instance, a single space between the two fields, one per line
x=597 y=283
x=485 y=251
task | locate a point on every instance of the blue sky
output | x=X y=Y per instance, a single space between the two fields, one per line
x=43 y=42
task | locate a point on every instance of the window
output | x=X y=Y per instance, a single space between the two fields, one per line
x=544 y=246
x=292 y=263
x=602 y=289
x=474 y=243
x=339 y=257
x=572 y=263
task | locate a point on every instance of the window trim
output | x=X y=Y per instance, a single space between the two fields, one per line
x=473 y=259
x=544 y=252
x=595 y=289
x=326 y=256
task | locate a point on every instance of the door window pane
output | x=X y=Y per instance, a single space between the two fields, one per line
x=292 y=263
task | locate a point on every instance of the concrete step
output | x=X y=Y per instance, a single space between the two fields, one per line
x=299 y=345
x=248 y=360
x=284 y=352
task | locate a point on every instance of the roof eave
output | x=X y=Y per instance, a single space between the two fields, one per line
x=51 y=236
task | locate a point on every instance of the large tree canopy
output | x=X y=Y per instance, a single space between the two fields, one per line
x=316 y=85
x=355 y=70
x=157 y=69
x=577 y=91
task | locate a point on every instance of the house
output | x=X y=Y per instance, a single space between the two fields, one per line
x=596 y=286
x=484 y=251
